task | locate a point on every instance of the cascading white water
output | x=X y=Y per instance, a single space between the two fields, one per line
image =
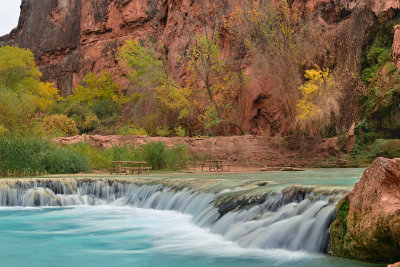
x=299 y=224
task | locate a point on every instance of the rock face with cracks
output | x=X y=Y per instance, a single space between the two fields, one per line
x=367 y=226
x=71 y=38
x=396 y=47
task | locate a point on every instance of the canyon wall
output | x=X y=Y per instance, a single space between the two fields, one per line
x=396 y=47
x=71 y=38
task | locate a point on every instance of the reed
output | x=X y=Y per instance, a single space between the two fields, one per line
x=21 y=156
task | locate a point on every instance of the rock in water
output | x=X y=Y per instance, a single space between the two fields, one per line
x=367 y=226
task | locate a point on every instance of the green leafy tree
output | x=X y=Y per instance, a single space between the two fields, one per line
x=96 y=89
x=154 y=91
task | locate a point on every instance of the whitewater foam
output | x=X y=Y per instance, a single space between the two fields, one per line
x=299 y=223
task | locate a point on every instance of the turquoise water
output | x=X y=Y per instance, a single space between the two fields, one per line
x=340 y=177
x=127 y=236
x=116 y=231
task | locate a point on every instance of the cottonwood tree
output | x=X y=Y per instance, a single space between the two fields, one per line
x=213 y=82
x=23 y=97
x=19 y=74
x=95 y=89
x=154 y=91
x=319 y=101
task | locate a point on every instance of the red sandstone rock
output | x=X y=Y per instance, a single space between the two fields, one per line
x=377 y=6
x=368 y=223
x=330 y=146
x=397 y=264
x=396 y=47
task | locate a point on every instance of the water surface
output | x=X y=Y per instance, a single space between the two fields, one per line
x=122 y=233
x=125 y=236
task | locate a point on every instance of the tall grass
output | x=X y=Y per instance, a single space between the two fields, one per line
x=64 y=160
x=21 y=156
x=33 y=156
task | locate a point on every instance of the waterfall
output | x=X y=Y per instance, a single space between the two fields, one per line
x=297 y=222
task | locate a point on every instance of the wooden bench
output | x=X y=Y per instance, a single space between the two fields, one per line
x=135 y=166
x=138 y=169
x=116 y=170
x=215 y=165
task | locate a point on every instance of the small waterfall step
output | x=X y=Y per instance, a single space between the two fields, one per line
x=295 y=218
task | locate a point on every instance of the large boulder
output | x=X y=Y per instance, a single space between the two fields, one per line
x=367 y=226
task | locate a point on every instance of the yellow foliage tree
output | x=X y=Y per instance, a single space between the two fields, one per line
x=318 y=102
x=96 y=89
x=18 y=73
x=23 y=97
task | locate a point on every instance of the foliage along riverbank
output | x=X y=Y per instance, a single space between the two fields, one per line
x=34 y=156
x=27 y=156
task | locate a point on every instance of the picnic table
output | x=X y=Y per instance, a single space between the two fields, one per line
x=215 y=165
x=130 y=166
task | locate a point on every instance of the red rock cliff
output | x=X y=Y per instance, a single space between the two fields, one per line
x=73 y=37
x=396 y=47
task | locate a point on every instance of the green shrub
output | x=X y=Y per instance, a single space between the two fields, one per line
x=163 y=131
x=106 y=109
x=90 y=124
x=180 y=132
x=389 y=149
x=98 y=158
x=60 y=125
x=155 y=154
x=59 y=108
x=77 y=110
x=131 y=130
x=60 y=160
x=178 y=157
x=17 y=113
x=127 y=152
